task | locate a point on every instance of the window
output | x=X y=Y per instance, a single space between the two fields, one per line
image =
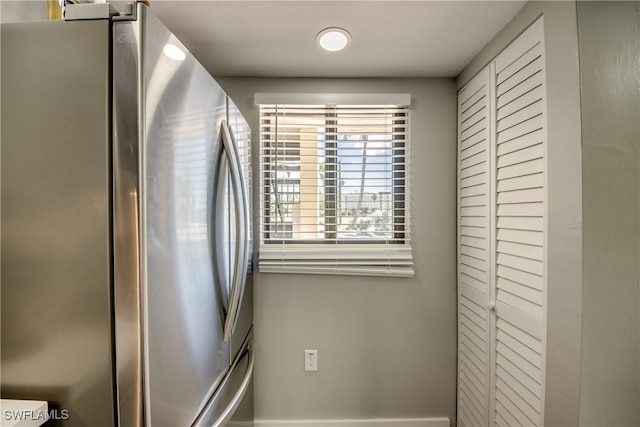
x=334 y=181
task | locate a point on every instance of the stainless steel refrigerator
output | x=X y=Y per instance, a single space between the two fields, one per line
x=126 y=228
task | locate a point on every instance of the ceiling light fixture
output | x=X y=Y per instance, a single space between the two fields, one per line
x=333 y=39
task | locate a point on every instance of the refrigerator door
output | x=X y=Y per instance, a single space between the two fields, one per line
x=178 y=118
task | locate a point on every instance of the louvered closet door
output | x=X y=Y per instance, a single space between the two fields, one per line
x=520 y=232
x=474 y=252
x=502 y=239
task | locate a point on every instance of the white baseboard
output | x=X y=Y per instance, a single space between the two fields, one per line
x=382 y=422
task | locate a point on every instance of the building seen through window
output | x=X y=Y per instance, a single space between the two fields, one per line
x=333 y=173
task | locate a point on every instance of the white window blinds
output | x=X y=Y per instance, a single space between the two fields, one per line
x=334 y=189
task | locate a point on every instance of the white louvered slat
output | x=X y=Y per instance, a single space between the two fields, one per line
x=527 y=367
x=521 y=210
x=474 y=365
x=504 y=417
x=517 y=386
x=472 y=281
x=521 y=250
x=474 y=373
x=535 y=180
x=473 y=140
x=472 y=96
x=474 y=242
x=473 y=170
x=520 y=156
x=520 y=102
x=533 y=54
x=463 y=419
x=480 y=178
x=474 y=295
x=516 y=346
x=520 y=303
x=514 y=231
x=474 y=231
x=517 y=393
x=476 y=148
x=522 y=291
x=475 y=113
x=474 y=405
x=528 y=85
x=512 y=119
x=471 y=221
x=476 y=159
x=472 y=313
x=470 y=415
x=471 y=326
x=527 y=415
x=529 y=167
x=520 y=76
x=519 y=418
x=472 y=333
x=520 y=375
x=523 y=333
x=526 y=323
x=520 y=223
x=521 y=196
x=523 y=128
x=473 y=252
x=519 y=263
x=473 y=129
x=523 y=141
x=527 y=279
x=473 y=201
x=468 y=348
x=470 y=351
x=475 y=190
x=473 y=272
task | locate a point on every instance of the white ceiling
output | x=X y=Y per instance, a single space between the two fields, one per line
x=277 y=38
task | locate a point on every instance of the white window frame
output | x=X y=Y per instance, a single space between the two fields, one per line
x=368 y=258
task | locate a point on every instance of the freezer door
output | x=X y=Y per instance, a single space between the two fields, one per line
x=180 y=113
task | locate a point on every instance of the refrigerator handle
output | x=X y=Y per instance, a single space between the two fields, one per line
x=244 y=386
x=239 y=275
x=244 y=222
x=222 y=405
x=219 y=229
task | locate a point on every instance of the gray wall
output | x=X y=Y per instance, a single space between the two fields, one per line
x=386 y=347
x=609 y=34
x=564 y=294
x=19 y=11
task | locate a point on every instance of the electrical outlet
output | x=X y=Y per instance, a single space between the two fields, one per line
x=311 y=360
